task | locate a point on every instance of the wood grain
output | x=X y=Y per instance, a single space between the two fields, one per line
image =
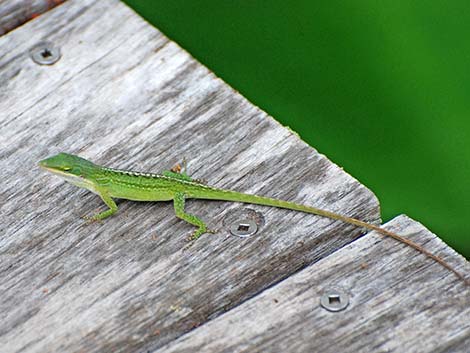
x=392 y=307
x=14 y=13
x=125 y=96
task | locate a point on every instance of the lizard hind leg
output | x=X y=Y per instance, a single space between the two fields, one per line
x=181 y=172
x=178 y=203
x=178 y=172
x=178 y=168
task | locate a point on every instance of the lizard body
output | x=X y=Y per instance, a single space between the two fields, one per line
x=111 y=183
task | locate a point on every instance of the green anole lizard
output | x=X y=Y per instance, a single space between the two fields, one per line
x=111 y=183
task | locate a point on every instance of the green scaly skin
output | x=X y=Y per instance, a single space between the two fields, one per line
x=111 y=183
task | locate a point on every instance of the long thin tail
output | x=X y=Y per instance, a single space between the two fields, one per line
x=228 y=195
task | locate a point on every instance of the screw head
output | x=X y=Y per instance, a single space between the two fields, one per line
x=334 y=300
x=45 y=53
x=243 y=228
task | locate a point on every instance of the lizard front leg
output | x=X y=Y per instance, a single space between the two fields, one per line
x=109 y=202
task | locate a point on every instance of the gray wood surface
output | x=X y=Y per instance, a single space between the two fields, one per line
x=392 y=307
x=14 y=13
x=125 y=96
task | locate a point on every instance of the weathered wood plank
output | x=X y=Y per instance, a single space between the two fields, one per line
x=392 y=307
x=14 y=13
x=125 y=96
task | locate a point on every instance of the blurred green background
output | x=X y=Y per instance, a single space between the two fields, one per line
x=381 y=87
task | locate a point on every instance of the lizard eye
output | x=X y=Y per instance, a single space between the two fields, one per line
x=66 y=168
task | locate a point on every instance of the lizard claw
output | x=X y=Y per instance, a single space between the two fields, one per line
x=90 y=219
x=192 y=237
x=198 y=232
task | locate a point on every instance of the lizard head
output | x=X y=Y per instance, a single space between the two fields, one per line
x=68 y=166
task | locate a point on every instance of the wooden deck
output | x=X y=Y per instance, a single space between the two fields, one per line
x=124 y=95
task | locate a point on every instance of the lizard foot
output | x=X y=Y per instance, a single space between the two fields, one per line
x=198 y=232
x=90 y=219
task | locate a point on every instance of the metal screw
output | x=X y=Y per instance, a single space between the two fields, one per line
x=244 y=228
x=334 y=300
x=45 y=53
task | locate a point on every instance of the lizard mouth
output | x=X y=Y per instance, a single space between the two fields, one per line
x=53 y=170
x=69 y=177
x=45 y=167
